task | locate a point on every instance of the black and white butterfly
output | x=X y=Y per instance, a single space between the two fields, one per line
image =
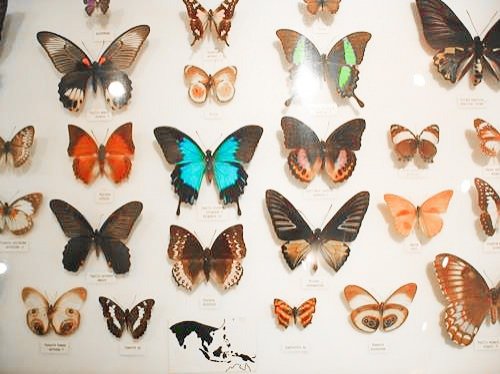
x=78 y=68
x=134 y=320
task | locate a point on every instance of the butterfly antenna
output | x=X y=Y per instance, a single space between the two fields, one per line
x=489 y=22
x=289 y=100
x=95 y=137
x=212 y=239
x=12 y=196
x=201 y=141
x=88 y=51
x=326 y=215
x=472 y=22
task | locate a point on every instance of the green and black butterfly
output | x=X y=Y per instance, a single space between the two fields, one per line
x=339 y=67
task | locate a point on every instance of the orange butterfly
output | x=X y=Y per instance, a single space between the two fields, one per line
x=302 y=315
x=313 y=6
x=489 y=137
x=406 y=215
x=200 y=83
x=470 y=299
x=90 y=160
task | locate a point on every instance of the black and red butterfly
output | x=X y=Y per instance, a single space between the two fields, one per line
x=78 y=68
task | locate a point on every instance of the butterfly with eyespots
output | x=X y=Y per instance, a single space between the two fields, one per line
x=220 y=84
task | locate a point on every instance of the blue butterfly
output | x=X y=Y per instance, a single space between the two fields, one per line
x=224 y=165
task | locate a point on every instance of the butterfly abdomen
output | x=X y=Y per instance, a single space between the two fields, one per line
x=477 y=68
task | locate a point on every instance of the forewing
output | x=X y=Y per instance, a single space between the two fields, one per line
x=123 y=50
x=223 y=83
x=120 y=222
x=427 y=142
x=119 y=151
x=37 y=317
x=365 y=313
x=198 y=81
x=223 y=16
x=20 y=218
x=300 y=52
x=66 y=314
x=396 y=307
x=138 y=317
x=283 y=312
x=491 y=45
x=20 y=145
x=198 y=18
x=489 y=137
x=104 y=5
x=405 y=142
x=84 y=151
x=305 y=312
x=429 y=218
x=489 y=203
x=403 y=212
x=115 y=316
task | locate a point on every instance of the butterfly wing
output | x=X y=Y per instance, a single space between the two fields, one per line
x=427 y=141
x=198 y=81
x=223 y=83
x=85 y=153
x=138 y=317
x=305 y=158
x=489 y=137
x=405 y=142
x=65 y=317
x=313 y=6
x=119 y=150
x=222 y=18
x=104 y=5
x=429 y=218
x=90 y=6
x=340 y=159
x=365 y=314
x=343 y=228
x=395 y=309
x=284 y=313
x=491 y=51
x=187 y=253
x=403 y=212
x=19 y=217
x=290 y=227
x=198 y=19
x=115 y=316
x=20 y=145
x=489 y=203
x=305 y=312
x=37 y=317
x=226 y=254
x=467 y=294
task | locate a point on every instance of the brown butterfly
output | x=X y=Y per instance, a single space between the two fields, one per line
x=200 y=19
x=302 y=315
x=489 y=203
x=18 y=215
x=221 y=84
x=314 y=6
x=406 y=143
x=19 y=147
x=489 y=137
x=470 y=299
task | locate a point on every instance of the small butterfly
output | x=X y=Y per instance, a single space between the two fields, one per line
x=489 y=137
x=299 y=239
x=302 y=315
x=18 y=216
x=134 y=320
x=108 y=238
x=427 y=215
x=309 y=155
x=470 y=299
x=489 y=203
x=92 y=5
x=458 y=51
x=368 y=314
x=406 y=143
x=221 y=84
x=90 y=160
x=3 y=12
x=339 y=67
x=19 y=147
x=224 y=165
x=313 y=6
x=77 y=67
x=193 y=264
x=200 y=19
x=63 y=316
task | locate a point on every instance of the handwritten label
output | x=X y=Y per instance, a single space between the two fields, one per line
x=213 y=114
x=54 y=347
x=492 y=171
x=412 y=172
x=132 y=349
x=467 y=102
x=315 y=283
x=413 y=246
x=320 y=28
x=99 y=115
x=101 y=278
x=322 y=110
x=102 y=36
x=210 y=303
x=213 y=213
x=213 y=55
x=318 y=193
x=378 y=347
x=492 y=244
x=295 y=348
x=487 y=344
x=17 y=245
x=104 y=197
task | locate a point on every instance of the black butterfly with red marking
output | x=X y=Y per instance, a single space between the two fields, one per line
x=134 y=320
x=458 y=51
x=77 y=67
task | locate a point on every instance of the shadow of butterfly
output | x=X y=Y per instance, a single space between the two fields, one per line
x=469 y=297
x=489 y=137
x=309 y=155
x=301 y=315
x=201 y=19
x=221 y=262
x=221 y=84
x=63 y=316
x=489 y=203
x=406 y=143
x=338 y=68
x=368 y=314
x=19 y=147
x=112 y=159
x=314 y=6
x=134 y=320
x=92 y=5
x=458 y=52
x=108 y=238
x=107 y=72
x=299 y=239
x=18 y=215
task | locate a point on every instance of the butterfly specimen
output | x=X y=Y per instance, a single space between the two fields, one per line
x=314 y=6
x=406 y=143
x=489 y=137
x=339 y=67
x=19 y=147
x=90 y=160
x=108 y=238
x=200 y=19
x=92 y=5
x=224 y=165
x=458 y=51
x=468 y=295
x=78 y=68
x=427 y=215
x=18 y=216
x=332 y=239
x=3 y=12
x=221 y=84
x=368 y=314
x=63 y=316
x=309 y=154
x=489 y=203
x=193 y=264
x=134 y=320
x=302 y=315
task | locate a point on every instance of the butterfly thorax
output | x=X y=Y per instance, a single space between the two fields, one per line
x=96 y=237
x=477 y=69
x=316 y=236
x=6 y=148
x=209 y=162
x=6 y=209
x=101 y=156
x=295 y=314
x=207 y=262
x=324 y=63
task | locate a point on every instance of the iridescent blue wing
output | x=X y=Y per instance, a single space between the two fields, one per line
x=236 y=149
x=189 y=160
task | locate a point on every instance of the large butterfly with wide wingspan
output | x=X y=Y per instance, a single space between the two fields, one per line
x=108 y=238
x=18 y=216
x=301 y=315
x=221 y=84
x=338 y=68
x=299 y=239
x=224 y=165
x=19 y=147
x=406 y=143
x=92 y=5
x=314 y=6
x=368 y=314
x=489 y=203
x=489 y=137
x=309 y=155
x=78 y=68
x=458 y=51
x=469 y=297
x=221 y=262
